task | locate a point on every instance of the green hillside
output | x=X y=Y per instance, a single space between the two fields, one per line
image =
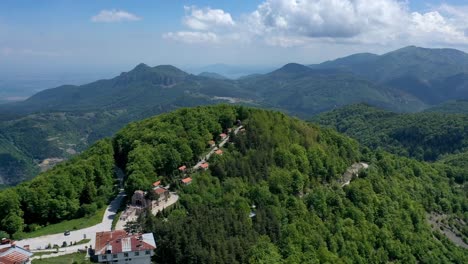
x=424 y=136
x=301 y=90
x=432 y=75
x=288 y=169
x=58 y=122
x=453 y=107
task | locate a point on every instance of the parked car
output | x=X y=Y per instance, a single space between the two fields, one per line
x=67 y=233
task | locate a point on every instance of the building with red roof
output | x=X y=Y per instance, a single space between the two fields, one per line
x=186 y=181
x=12 y=254
x=223 y=135
x=162 y=193
x=205 y=165
x=156 y=184
x=211 y=143
x=120 y=247
x=219 y=152
x=183 y=168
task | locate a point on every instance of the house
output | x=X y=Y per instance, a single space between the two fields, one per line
x=186 y=181
x=183 y=168
x=156 y=184
x=229 y=130
x=211 y=143
x=162 y=193
x=223 y=136
x=120 y=247
x=219 y=152
x=205 y=165
x=12 y=254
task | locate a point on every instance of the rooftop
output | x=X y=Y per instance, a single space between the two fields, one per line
x=156 y=184
x=160 y=190
x=187 y=180
x=204 y=165
x=11 y=254
x=119 y=241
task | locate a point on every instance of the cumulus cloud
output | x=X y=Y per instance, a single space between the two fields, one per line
x=207 y=18
x=109 y=16
x=300 y=22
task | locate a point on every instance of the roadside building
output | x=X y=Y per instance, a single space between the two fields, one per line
x=182 y=168
x=219 y=152
x=162 y=193
x=12 y=254
x=119 y=247
x=156 y=184
x=211 y=143
x=204 y=166
x=223 y=136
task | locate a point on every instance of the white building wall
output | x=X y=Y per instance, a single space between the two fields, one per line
x=131 y=257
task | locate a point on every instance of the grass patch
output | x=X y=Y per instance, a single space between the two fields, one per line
x=65 y=259
x=82 y=241
x=71 y=225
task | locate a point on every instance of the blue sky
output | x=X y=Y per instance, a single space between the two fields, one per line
x=105 y=36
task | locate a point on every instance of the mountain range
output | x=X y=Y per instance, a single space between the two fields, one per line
x=58 y=122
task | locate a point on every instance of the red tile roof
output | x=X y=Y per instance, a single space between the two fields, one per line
x=219 y=152
x=156 y=184
x=119 y=241
x=12 y=255
x=222 y=135
x=204 y=165
x=182 y=168
x=160 y=190
x=187 y=180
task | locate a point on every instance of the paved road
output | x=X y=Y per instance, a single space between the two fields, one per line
x=77 y=235
x=221 y=144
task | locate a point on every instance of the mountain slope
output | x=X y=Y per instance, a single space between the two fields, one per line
x=433 y=75
x=281 y=169
x=454 y=107
x=424 y=136
x=288 y=170
x=305 y=91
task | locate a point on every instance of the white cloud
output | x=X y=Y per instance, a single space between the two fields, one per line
x=192 y=36
x=207 y=18
x=109 y=16
x=289 y=23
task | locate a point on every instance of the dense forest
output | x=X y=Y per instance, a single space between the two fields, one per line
x=286 y=173
x=70 y=190
x=424 y=136
x=274 y=196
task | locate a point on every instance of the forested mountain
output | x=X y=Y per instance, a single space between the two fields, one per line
x=58 y=122
x=305 y=91
x=288 y=169
x=213 y=75
x=432 y=75
x=454 y=107
x=424 y=136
